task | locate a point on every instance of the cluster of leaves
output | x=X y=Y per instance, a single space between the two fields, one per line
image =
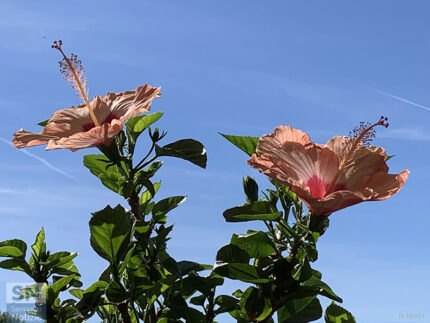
x=277 y=262
x=51 y=273
x=143 y=282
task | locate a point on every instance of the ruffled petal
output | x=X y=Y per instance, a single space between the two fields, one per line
x=22 y=139
x=334 y=201
x=67 y=122
x=95 y=137
x=282 y=135
x=132 y=103
x=366 y=161
x=304 y=161
x=308 y=169
x=381 y=185
x=281 y=173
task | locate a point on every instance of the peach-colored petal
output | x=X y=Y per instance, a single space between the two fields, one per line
x=382 y=185
x=97 y=136
x=132 y=103
x=365 y=162
x=304 y=161
x=318 y=173
x=340 y=145
x=283 y=176
x=73 y=128
x=334 y=201
x=22 y=139
x=282 y=135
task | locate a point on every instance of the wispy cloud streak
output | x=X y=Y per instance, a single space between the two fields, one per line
x=400 y=99
x=40 y=159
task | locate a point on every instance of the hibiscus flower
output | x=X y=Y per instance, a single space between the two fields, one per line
x=329 y=177
x=73 y=128
x=91 y=124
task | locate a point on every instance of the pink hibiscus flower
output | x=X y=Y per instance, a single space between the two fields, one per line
x=328 y=177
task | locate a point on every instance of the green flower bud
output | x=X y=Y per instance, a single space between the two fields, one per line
x=251 y=189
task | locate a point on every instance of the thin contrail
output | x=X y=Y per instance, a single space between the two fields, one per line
x=401 y=99
x=40 y=159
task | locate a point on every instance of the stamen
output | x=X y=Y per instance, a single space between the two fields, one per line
x=363 y=134
x=74 y=74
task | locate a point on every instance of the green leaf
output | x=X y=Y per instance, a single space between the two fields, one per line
x=13 y=248
x=147 y=173
x=300 y=311
x=91 y=298
x=257 y=244
x=337 y=314
x=245 y=143
x=136 y=125
x=204 y=285
x=100 y=166
x=43 y=123
x=39 y=245
x=111 y=231
x=226 y=303
x=66 y=268
x=126 y=261
x=58 y=259
x=187 y=149
x=232 y=254
x=164 y=206
x=177 y=305
x=16 y=264
x=115 y=293
x=106 y=274
x=319 y=286
x=254 y=304
x=260 y=210
x=78 y=293
x=55 y=288
x=240 y=271
x=198 y=300
x=302 y=271
x=194 y=315
x=186 y=267
x=146 y=196
x=318 y=224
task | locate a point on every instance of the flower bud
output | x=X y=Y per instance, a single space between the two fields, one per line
x=251 y=189
x=155 y=136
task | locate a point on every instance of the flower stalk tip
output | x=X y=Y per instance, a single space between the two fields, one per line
x=74 y=74
x=363 y=135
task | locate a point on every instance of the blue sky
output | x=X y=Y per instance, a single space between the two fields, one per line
x=237 y=67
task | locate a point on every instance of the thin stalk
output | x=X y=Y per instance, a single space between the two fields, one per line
x=146 y=164
x=146 y=156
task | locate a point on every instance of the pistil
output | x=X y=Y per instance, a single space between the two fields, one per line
x=366 y=134
x=76 y=81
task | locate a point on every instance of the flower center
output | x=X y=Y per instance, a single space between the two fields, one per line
x=360 y=134
x=73 y=73
x=319 y=188
x=90 y=125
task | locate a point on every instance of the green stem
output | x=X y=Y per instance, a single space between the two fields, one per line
x=147 y=155
x=146 y=164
